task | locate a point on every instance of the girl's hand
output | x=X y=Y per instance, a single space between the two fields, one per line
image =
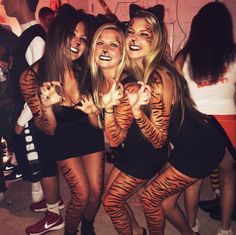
x=113 y=96
x=49 y=95
x=87 y=105
x=141 y=97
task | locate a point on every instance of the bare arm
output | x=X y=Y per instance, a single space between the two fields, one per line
x=179 y=62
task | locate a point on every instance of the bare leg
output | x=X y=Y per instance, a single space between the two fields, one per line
x=175 y=214
x=50 y=187
x=191 y=199
x=227 y=188
x=167 y=184
x=115 y=202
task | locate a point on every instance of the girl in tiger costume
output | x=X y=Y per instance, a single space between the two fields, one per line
x=140 y=133
x=197 y=145
x=65 y=112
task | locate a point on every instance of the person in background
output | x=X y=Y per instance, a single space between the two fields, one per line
x=208 y=63
x=141 y=133
x=3 y=152
x=7 y=42
x=46 y=16
x=29 y=48
x=65 y=113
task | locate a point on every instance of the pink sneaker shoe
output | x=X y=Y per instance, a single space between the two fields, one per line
x=42 y=206
x=51 y=221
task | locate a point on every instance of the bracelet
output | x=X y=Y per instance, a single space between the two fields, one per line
x=108 y=112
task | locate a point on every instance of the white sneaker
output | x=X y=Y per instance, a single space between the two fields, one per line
x=37 y=192
x=225 y=232
x=196 y=228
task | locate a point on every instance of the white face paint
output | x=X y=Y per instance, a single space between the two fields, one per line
x=78 y=41
x=108 y=51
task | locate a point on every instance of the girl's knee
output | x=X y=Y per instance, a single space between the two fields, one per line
x=81 y=198
x=95 y=196
x=109 y=201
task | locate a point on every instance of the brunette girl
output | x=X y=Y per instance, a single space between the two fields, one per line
x=64 y=110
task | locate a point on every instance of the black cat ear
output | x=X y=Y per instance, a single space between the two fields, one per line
x=133 y=8
x=159 y=11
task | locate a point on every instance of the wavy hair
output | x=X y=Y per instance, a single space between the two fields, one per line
x=56 y=60
x=98 y=79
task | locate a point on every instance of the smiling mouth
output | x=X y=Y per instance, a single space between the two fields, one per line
x=105 y=58
x=134 y=47
x=74 y=50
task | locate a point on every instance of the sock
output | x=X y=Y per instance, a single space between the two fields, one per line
x=54 y=208
x=36 y=186
x=225 y=232
x=196 y=227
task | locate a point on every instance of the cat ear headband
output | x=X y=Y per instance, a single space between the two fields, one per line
x=157 y=11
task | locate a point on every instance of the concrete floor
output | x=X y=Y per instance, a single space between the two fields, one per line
x=15 y=214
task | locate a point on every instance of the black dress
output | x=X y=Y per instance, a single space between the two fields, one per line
x=137 y=157
x=74 y=135
x=198 y=147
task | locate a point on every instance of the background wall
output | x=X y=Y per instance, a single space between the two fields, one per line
x=178 y=15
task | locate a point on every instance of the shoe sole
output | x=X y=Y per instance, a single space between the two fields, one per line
x=13 y=180
x=45 y=209
x=60 y=226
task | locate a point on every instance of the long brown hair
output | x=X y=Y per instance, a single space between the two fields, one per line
x=56 y=59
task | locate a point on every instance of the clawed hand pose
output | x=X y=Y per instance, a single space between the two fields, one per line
x=50 y=96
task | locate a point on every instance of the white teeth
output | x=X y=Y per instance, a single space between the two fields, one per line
x=73 y=49
x=103 y=57
x=134 y=47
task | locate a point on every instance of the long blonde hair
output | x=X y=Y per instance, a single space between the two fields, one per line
x=98 y=79
x=155 y=61
x=152 y=60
